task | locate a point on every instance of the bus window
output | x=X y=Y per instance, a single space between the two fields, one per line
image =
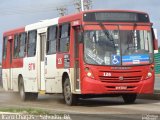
x=5 y=47
x=32 y=36
x=51 y=40
x=64 y=38
x=22 y=38
x=16 y=46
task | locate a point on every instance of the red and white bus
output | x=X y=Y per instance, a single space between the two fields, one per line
x=88 y=54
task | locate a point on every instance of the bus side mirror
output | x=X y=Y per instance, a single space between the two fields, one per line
x=155 y=40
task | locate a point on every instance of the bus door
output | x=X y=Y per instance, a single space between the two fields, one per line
x=9 y=81
x=68 y=54
x=42 y=50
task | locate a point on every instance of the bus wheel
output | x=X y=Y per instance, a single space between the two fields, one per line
x=70 y=99
x=129 y=98
x=24 y=95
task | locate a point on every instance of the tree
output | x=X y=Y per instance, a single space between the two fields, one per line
x=159 y=49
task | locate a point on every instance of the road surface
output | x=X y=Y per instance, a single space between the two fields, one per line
x=94 y=109
x=157 y=82
x=99 y=108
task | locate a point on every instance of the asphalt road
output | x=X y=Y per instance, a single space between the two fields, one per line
x=89 y=109
x=95 y=109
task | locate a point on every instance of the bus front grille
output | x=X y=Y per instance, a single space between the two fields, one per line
x=124 y=79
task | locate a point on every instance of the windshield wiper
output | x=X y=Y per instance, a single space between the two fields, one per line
x=133 y=38
x=107 y=34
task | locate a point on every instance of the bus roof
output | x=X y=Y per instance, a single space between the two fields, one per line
x=10 y=32
x=42 y=24
x=62 y=19
x=79 y=15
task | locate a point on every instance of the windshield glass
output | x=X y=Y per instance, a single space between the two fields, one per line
x=118 y=47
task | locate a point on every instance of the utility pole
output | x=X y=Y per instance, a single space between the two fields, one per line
x=62 y=11
x=82 y=5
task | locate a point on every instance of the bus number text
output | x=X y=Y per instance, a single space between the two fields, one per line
x=107 y=74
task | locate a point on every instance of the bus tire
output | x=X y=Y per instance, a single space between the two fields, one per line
x=23 y=95
x=70 y=99
x=129 y=98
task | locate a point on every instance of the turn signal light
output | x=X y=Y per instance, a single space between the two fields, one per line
x=151 y=68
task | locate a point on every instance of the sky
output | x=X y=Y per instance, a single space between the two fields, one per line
x=18 y=13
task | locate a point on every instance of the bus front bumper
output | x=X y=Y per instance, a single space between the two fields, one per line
x=92 y=86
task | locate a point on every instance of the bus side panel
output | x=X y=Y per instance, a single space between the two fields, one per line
x=16 y=70
x=29 y=74
x=53 y=82
x=15 y=74
x=5 y=78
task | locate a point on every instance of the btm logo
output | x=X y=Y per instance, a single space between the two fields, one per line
x=31 y=66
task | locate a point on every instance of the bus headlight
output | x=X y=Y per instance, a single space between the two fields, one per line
x=149 y=75
x=89 y=72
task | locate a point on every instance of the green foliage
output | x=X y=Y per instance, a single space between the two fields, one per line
x=31 y=111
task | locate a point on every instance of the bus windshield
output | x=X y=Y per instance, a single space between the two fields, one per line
x=118 y=47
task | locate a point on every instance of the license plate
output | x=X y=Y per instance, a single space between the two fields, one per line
x=121 y=87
